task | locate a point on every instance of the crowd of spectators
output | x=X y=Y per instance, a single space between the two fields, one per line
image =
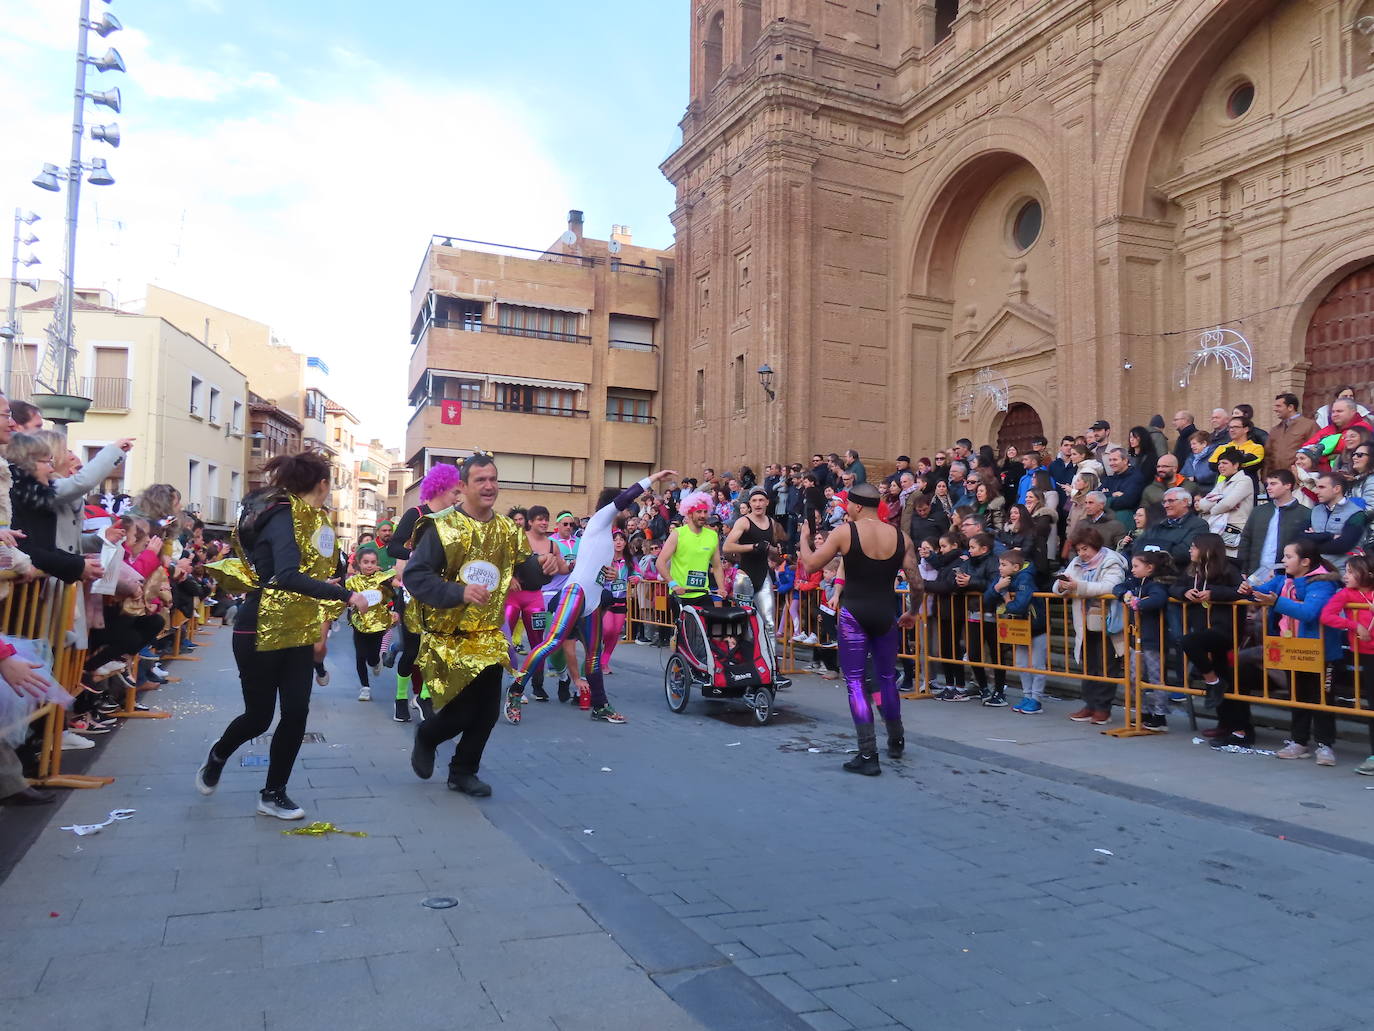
x=139 y=561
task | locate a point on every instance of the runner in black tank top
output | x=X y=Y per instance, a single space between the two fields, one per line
x=865 y=623
x=750 y=544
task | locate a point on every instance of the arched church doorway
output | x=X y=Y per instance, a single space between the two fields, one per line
x=1340 y=342
x=1019 y=427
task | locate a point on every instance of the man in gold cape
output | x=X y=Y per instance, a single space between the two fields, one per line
x=458 y=575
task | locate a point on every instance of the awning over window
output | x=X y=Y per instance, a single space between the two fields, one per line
x=547 y=384
x=460 y=296
x=545 y=305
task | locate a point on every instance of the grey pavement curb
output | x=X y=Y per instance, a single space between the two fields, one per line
x=687 y=968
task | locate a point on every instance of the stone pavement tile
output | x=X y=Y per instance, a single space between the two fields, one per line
x=852 y=1007
x=275 y=990
x=781 y=963
x=94 y=935
x=329 y=886
x=475 y=927
x=23 y=970
x=110 y=968
x=120 y=1008
x=250 y=923
x=825 y=1020
x=789 y=993
x=357 y=938
x=399 y=972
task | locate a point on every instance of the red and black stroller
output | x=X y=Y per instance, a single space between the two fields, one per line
x=721 y=653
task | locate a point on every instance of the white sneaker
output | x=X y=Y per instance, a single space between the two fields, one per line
x=275 y=803
x=113 y=666
x=73 y=742
x=160 y=671
x=811 y=639
x=1325 y=756
x=1293 y=750
x=799 y=638
x=322 y=678
x=364 y=694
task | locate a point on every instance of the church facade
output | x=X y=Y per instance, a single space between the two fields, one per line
x=989 y=218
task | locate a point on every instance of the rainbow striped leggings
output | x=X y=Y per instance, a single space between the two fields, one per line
x=570 y=615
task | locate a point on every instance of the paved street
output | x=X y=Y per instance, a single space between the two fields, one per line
x=695 y=871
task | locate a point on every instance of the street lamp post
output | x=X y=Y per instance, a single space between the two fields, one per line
x=10 y=330
x=61 y=405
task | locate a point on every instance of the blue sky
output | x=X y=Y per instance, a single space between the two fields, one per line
x=289 y=159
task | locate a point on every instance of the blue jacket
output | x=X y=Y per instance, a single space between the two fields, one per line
x=1312 y=592
x=786 y=577
x=1026 y=482
x=1154 y=598
x=1198 y=469
x=1062 y=473
x=1130 y=483
x=1023 y=599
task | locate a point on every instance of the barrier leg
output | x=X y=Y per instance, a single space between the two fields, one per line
x=1134 y=696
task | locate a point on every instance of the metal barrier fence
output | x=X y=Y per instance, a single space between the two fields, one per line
x=1092 y=640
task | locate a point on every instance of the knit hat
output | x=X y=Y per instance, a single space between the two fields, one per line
x=95 y=519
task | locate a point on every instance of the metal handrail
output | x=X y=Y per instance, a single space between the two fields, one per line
x=496 y=327
x=630 y=345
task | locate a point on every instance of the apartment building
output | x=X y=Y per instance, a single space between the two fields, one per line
x=372 y=474
x=273 y=431
x=547 y=358
x=186 y=404
x=340 y=440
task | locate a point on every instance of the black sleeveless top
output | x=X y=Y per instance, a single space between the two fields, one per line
x=755 y=563
x=870 y=591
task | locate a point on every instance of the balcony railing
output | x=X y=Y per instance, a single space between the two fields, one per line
x=108 y=393
x=631 y=345
x=516 y=331
x=646 y=420
x=498 y=406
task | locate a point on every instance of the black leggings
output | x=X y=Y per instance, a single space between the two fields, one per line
x=410 y=651
x=264 y=676
x=367 y=649
x=122 y=635
x=472 y=714
x=982 y=646
x=951 y=645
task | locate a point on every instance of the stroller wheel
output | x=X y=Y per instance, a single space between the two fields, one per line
x=677 y=683
x=763 y=705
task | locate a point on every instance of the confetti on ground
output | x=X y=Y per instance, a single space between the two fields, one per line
x=1104 y=851
x=320 y=829
x=605 y=769
x=733 y=744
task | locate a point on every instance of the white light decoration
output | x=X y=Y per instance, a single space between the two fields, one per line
x=986 y=383
x=1227 y=348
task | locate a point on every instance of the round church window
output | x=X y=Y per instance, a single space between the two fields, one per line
x=1240 y=100
x=1025 y=228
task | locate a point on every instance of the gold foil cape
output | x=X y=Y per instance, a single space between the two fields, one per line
x=287 y=619
x=457 y=644
x=233 y=574
x=378 y=617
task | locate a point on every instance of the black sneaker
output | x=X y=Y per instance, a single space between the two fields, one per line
x=564 y=689
x=425 y=706
x=422 y=757
x=402 y=714
x=538 y=693
x=896 y=746
x=995 y=700
x=207 y=777
x=469 y=784
x=1150 y=721
x=864 y=764
x=273 y=802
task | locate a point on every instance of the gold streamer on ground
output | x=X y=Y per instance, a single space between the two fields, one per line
x=319 y=829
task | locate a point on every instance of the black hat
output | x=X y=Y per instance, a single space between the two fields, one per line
x=1101 y=424
x=904 y=458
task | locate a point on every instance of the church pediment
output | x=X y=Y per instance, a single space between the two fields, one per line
x=1018 y=330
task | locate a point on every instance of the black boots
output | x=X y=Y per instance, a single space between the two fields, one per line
x=866 y=762
x=896 y=739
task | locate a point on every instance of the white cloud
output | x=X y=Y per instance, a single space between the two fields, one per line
x=309 y=214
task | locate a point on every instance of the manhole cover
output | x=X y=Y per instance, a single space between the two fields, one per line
x=439 y=902
x=254 y=760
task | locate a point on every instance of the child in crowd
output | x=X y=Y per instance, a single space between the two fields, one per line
x=1015 y=588
x=784 y=576
x=1357 y=685
x=1144 y=594
x=949 y=623
x=1296 y=598
x=369 y=627
x=977 y=574
x=832 y=586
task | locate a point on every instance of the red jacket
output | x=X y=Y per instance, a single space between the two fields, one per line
x=1335 y=615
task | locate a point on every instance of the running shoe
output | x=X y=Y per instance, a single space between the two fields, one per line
x=275 y=803
x=540 y=695
x=1082 y=715
x=955 y=694
x=87 y=727
x=159 y=672
x=1366 y=768
x=1030 y=707
x=995 y=700
x=402 y=714
x=1100 y=718
x=1155 y=721
x=321 y=678
x=1325 y=756
x=364 y=694
x=606 y=714
x=513 y=702
x=1293 y=750
x=73 y=742
x=564 y=689
x=207 y=777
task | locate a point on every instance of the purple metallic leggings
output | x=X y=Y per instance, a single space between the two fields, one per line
x=855 y=647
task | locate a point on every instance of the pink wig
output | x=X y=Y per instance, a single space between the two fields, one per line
x=696 y=500
x=439 y=479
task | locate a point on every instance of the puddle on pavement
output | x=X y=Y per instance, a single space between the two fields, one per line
x=743 y=717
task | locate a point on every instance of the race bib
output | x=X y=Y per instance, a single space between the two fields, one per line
x=696 y=579
x=374 y=597
x=323 y=541
x=617 y=587
x=539 y=620
x=480 y=574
